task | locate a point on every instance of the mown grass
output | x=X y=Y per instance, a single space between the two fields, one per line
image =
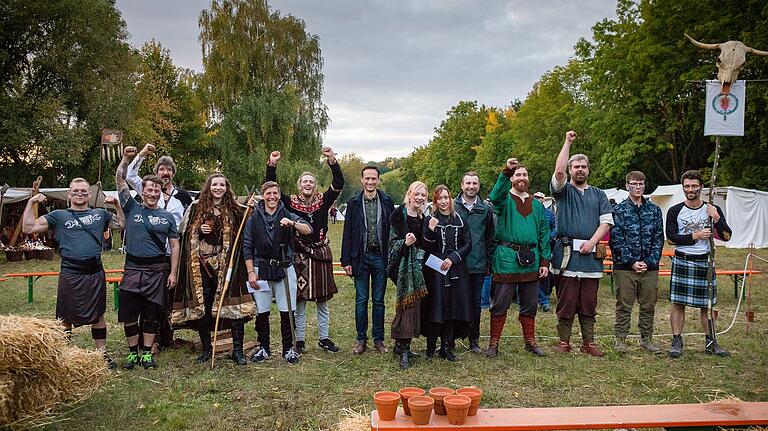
x=310 y=395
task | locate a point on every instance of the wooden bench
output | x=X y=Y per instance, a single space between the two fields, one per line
x=115 y=282
x=717 y=414
x=32 y=277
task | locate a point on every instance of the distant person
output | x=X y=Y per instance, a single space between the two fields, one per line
x=333 y=213
x=583 y=217
x=364 y=250
x=690 y=229
x=478 y=216
x=546 y=283
x=81 y=295
x=637 y=239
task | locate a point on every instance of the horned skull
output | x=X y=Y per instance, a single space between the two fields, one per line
x=732 y=56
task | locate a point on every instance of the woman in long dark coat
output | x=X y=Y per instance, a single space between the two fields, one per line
x=445 y=311
x=405 y=262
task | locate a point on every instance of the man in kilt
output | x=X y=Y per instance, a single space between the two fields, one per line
x=689 y=229
x=82 y=291
x=313 y=260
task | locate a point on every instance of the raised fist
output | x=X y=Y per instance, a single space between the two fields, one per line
x=274 y=157
x=111 y=200
x=129 y=152
x=570 y=136
x=328 y=152
x=148 y=149
x=511 y=163
x=38 y=198
x=433 y=223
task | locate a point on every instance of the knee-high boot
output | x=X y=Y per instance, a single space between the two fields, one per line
x=238 y=331
x=405 y=353
x=431 y=347
x=205 y=341
x=497 y=328
x=528 y=324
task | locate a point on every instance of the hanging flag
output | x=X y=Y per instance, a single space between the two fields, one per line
x=725 y=112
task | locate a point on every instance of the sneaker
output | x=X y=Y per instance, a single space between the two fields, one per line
x=676 y=350
x=261 y=355
x=300 y=346
x=131 y=361
x=112 y=365
x=647 y=344
x=620 y=345
x=563 y=347
x=147 y=361
x=327 y=344
x=360 y=347
x=591 y=348
x=291 y=356
x=712 y=348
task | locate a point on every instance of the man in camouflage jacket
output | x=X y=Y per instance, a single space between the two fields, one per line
x=637 y=239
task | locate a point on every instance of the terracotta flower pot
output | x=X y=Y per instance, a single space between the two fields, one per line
x=457 y=407
x=475 y=394
x=386 y=403
x=421 y=409
x=407 y=393
x=438 y=394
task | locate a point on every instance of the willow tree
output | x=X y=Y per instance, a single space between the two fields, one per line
x=263 y=72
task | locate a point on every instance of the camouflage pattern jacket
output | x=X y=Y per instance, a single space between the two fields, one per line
x=637 y=235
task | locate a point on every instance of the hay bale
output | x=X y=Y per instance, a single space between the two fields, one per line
x=6 y=396
x=353 y=420
x=28 y=343
x=81 y=372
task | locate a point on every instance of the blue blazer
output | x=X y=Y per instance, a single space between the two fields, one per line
x=353 y=241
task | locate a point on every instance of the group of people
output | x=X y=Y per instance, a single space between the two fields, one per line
x=214 y=262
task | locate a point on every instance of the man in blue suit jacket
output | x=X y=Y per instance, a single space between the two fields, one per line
x=364 y=255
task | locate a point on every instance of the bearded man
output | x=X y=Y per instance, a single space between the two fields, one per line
x=584 y=216
x=522 y=255
x=313 y=260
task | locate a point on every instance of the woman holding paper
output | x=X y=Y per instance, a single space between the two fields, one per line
x=445 y=311
x=209 y=229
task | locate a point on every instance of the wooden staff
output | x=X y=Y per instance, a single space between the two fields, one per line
x=711 y=265
x=232 y=260
x=17 y=231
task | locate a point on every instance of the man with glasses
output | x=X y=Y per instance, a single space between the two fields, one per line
x=637 y=239
x=689 y=228
x=81 y=297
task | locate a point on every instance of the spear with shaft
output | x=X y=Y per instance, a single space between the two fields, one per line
x=230 y=268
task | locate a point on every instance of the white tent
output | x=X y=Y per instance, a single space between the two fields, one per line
x=745 y=210
x=618 y=195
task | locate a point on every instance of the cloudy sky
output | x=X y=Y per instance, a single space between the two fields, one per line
x=394 y=67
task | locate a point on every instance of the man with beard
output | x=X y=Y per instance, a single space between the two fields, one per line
x=689 y=227
x=81 y=296
x=583 y=218
x=175 y=200
x=479 y=217
x=268 y=253
x=313 y=260
x=364 y=249
x=148 y=274
x=522 y=256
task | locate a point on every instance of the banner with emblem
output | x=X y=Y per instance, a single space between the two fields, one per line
x=725 y=112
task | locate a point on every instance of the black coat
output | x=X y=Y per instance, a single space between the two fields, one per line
x=353 y=241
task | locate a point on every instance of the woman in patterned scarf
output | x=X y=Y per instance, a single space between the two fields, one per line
x=210 y=227
x=406 y=259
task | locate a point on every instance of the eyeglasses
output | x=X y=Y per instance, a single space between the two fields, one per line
x=636 y=185
x=79 y=193
x=693 y=188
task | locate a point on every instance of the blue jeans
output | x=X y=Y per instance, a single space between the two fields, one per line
x=373 y=276
x=485 y=297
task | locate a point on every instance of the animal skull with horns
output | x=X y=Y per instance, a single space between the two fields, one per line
x=733 y=55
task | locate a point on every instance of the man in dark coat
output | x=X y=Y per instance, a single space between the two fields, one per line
x=364 y=255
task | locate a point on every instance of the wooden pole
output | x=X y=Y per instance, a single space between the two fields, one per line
x=711 y=265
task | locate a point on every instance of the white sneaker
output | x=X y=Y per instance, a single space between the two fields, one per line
x=291 y=356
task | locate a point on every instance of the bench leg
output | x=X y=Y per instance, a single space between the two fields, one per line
x=114 y=296
x=30 y=289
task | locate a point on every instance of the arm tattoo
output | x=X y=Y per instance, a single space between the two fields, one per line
x=121 y=174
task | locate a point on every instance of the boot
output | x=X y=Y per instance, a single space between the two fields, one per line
x=474 y=346
x=205 y=342
x=405 y=350
x=712 y=348
x=497 y=327
x=588 y=336
x=528 y=324
x=564 y=332
x=431 y=346
x=676 y=350
x=620 y=345
x=446 y=351
x=237 y=343
x=647 y=344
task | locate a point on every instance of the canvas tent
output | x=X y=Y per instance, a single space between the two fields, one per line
x=618 y=195
x=746 y=211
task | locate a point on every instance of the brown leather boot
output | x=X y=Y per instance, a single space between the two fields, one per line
x=497 y=327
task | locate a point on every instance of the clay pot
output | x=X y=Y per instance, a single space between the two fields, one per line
x=457 y=407
x=438 y=394
x=407 y=393
x=386 y=403
x=475 y=394
x=421 y=409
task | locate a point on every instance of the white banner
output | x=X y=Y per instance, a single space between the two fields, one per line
x=725 y=113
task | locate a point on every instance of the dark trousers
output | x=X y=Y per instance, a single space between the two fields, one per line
x=371 y=283
x=476 y=284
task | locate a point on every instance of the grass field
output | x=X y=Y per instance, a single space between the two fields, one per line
x=311 y=394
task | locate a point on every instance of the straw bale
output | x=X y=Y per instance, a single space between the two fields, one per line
x=80 y=373
x=6 y=396
x=29 y=343
x=353 y=420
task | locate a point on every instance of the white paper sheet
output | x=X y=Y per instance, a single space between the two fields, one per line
x=261 y=286
x=435 y=263
x=577 y=245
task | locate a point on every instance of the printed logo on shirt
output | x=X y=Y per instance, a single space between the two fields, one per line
x=693 y=224
x=87 y=220
x=153 y=220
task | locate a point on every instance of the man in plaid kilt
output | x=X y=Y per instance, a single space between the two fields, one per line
x=689 y=229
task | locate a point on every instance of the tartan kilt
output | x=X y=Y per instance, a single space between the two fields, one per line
x=688 y=283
